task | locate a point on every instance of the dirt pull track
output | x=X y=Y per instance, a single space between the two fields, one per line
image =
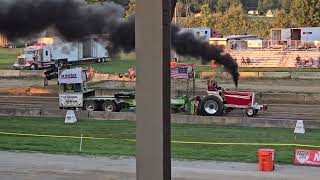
x=275 y=111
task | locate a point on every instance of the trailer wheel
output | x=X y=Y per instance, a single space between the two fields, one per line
x=251 y=112
x=90 y=105
x=211 y=106
x=109 y=106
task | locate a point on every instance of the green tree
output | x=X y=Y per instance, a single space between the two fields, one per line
x=305 y=12
x=205 y=15
x=223 y=5
x=191 y=22
x=131 y=8
x=233 y=21
x=249 y=4
x=285 y=5
x=204 y=19
x=265 y=5
x=260 y=28
x=281 y=19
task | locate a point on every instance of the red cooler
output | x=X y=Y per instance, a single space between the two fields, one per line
x=266 y=159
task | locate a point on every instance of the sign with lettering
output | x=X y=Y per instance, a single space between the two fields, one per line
x=70 y=117
x=307 y=157
x=71 y=100
x=182 y=71
x=299 y=129
x=71 y=76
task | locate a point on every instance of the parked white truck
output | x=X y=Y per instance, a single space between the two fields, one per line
x=51 y=50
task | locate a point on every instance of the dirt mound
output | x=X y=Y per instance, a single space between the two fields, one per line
x=28 y=91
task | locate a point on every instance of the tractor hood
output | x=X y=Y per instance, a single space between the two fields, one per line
x=72 y=76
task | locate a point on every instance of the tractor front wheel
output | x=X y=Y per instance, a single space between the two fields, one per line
x=251 y=112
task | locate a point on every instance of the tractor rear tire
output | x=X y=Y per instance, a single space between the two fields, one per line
x=109 y=106
x=211 y=106
x=90 y=106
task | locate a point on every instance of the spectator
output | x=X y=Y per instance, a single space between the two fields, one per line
x=248 y=61
x=243 y=61
x=298 y=61
x=132 y=73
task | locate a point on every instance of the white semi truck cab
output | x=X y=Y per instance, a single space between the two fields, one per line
x=74 y=94
x=49 y=51
x=34 y=57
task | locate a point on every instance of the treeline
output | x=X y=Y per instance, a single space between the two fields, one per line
x=231 y=17
x=234 y=18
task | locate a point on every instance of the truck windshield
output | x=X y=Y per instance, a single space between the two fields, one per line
x=39 y=53
x=71 y=87
x=29 y=52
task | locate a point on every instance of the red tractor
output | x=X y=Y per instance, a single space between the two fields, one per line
x=219 y=101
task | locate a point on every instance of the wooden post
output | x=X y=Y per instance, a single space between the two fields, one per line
x=153 y=21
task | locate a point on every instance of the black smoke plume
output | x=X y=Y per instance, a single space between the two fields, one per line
x=184 y=43
x=187 y=44
x=74 y=19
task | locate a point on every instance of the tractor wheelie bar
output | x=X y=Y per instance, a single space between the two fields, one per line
x=74 y=94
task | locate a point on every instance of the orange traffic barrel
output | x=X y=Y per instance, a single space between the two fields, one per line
x=266 y=159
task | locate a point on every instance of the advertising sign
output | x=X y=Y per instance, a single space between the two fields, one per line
x=307 y=157
x=299 y=129
x=70 y=117
x=71 y=76
x=182 y=71
x=71 y=100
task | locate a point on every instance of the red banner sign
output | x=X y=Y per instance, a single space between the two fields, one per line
x=307 y=157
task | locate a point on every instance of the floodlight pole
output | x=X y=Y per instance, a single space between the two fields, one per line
x=153 y=20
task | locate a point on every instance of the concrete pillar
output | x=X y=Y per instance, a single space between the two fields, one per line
x=153 y=89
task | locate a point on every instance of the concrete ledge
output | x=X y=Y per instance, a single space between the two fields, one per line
x=249 y=74
x=274 y=75
x=112 y=116
x=53 y=113
x=9 y=73
x=179 y=119
x=27 y=112
x=20 y=73
x=305 y=75
x=31 y=74
x=7 y=112
x=291 y=75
